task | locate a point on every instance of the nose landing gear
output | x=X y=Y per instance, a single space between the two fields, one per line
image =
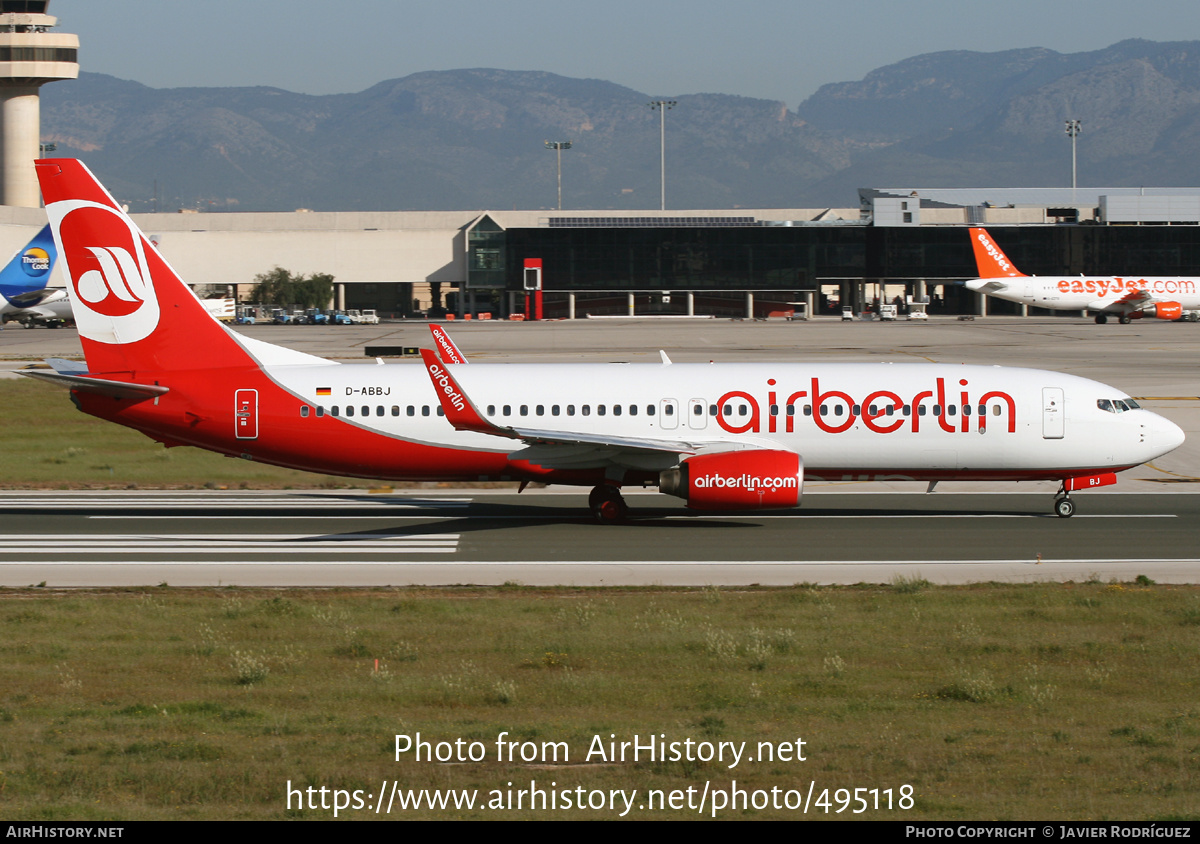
x=1064 y=507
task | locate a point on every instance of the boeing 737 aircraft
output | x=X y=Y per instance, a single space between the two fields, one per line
x=23 y=285
x=1126 y=298
x=720 y=436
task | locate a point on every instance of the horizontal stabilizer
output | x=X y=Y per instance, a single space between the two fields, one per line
x=101 y=386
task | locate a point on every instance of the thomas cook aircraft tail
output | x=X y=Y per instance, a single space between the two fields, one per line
x=23 y=280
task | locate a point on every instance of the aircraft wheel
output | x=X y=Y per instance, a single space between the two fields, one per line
x=1064 y=507
x=607 y=504
x=28 y=323
x=1125 y=319
x=1101 y=319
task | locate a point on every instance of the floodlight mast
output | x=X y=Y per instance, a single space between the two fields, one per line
x=1073 y=129
x=662 y=106
x=559 y=146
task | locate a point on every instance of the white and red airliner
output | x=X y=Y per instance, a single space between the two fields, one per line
x=720 y=436
x=1125 y=297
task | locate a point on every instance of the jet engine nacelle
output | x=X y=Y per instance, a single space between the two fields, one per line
x=737 y=480
x=1165 y=310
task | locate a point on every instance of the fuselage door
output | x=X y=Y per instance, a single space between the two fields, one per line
x=668 y=413
x=245 y=414
x=1052 y=413
x=697 y=414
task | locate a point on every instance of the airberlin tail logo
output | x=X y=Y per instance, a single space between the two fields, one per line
x=106 y=261
x=118 y=287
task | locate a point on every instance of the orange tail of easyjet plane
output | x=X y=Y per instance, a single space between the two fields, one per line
x=134 y=313
x=990 y=260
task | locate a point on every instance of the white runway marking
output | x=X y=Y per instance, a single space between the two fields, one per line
x=629 y=564
x=325 y=545
x=697 y=515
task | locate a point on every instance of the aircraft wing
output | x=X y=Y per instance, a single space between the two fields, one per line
x=30 y=298
x=559 y=448
x=1135 y=300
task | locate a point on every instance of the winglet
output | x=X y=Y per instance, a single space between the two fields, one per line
x=990 y=260
x=445 y=347
x=459 y=410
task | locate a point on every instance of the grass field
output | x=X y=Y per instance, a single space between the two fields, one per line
x=47 y=443
x=1063 y=701
x=1073 y=701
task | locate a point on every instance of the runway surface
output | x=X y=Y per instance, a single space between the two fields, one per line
x=1146 y=524
x=483 y=537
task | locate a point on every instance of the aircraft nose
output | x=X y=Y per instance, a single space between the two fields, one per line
x=1165 y=435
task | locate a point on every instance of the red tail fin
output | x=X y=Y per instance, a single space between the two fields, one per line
x=990 y=261
x=133 y=312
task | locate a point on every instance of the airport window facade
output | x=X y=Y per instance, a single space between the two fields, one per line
x=721 y=263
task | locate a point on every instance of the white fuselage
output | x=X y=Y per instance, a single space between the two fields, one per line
x=920 y=421
x=1094 y=293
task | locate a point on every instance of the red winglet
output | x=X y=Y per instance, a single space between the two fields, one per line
x=445 y=347
x=459 y=410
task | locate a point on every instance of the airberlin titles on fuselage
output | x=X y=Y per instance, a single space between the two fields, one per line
x=881 y=411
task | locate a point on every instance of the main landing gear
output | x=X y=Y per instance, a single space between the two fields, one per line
x=1101 y=319
x=1064 y=507
x=608 y=506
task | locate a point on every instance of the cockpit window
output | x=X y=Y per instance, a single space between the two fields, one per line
x=1117 y=405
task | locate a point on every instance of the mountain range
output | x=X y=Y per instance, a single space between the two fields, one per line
x=466 y=139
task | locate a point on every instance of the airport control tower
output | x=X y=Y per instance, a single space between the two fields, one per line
x=30 y=56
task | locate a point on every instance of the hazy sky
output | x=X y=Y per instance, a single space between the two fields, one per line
x=775 y=49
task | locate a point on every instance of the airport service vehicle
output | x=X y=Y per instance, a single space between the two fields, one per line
x=223 y=309
x=739 y=436
x=887 y=312
x=24 y=296
x=1125 y=297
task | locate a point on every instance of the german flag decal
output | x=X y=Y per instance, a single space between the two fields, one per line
x=322 y=391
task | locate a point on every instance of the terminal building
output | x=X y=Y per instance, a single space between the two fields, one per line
x=897 y=246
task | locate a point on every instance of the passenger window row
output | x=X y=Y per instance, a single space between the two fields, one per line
x=366 y=410
x=1113 y=406
x=581 y=410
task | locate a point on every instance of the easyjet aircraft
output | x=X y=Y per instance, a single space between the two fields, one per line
x=720 y=436
x=1126 y=298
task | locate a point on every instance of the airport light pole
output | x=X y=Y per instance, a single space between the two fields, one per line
x=559 y=146
x=662 y=106
x=1073 y=130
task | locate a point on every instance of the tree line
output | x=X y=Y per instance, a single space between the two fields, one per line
x=281 y=287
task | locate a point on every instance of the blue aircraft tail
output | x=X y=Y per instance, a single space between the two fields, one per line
x=24 y=279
